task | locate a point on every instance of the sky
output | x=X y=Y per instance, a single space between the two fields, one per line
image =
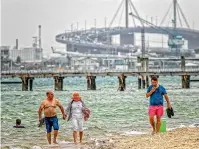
x=20 y=18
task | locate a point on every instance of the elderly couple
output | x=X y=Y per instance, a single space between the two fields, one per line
x=76 y=111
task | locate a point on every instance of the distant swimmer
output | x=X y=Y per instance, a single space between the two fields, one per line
x=18 y=124
x=49 y=105
x=156 y=93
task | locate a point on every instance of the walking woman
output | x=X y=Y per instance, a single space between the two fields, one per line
x=78 y=112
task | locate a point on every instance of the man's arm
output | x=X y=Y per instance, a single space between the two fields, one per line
x=40 y=110
x=151 y=92
x=61 y=108
x=167 y=99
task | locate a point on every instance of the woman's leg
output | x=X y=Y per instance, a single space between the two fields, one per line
x=75 y=128
x=80 y=126
x=80 y=136
x=75 y=137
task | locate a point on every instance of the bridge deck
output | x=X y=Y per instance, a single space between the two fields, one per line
x=102 y=32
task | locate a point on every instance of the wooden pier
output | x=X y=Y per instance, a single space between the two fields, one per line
x=143 y=74
x=28 y=77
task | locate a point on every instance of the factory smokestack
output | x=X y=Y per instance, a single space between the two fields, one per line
x=17 y=44
x=40 y=36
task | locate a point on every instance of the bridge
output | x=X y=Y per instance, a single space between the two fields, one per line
x=189 y=34
x=86 y=38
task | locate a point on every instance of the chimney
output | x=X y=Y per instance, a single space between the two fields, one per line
x=17 y=44
x=40 y=36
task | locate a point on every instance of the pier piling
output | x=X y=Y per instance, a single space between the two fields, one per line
x=185 y=78
x=31 y=83
x=122 y=82
x=186 y=81
x=59 y=83
x=147 y=81
x=139 y=82
x=27 y=83
x=91 y=84
x=143 y=82
x=24 y=83
x=143 y=79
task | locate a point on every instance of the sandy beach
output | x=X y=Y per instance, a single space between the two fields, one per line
x=181 y=138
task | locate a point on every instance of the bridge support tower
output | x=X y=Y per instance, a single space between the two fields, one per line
x=143 y=80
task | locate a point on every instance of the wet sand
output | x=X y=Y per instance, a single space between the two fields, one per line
x=181 y=138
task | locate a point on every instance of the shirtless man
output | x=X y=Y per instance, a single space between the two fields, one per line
x=49 y=105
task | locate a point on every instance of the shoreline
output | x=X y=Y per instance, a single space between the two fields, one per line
x=178 y=138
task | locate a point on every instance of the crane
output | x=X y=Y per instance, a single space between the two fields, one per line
x=175 y=41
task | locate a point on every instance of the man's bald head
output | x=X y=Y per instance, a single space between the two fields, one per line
x=50 y=94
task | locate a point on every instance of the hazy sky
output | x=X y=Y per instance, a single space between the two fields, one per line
x=20 y=18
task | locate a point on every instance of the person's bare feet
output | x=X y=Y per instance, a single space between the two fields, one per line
x=81 y=142
x=75 y=143
x=157 y=132
x=153 y=132
x=55 y=142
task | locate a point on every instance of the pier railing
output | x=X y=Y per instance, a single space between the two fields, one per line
x=27 y=76
x=109 y=72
